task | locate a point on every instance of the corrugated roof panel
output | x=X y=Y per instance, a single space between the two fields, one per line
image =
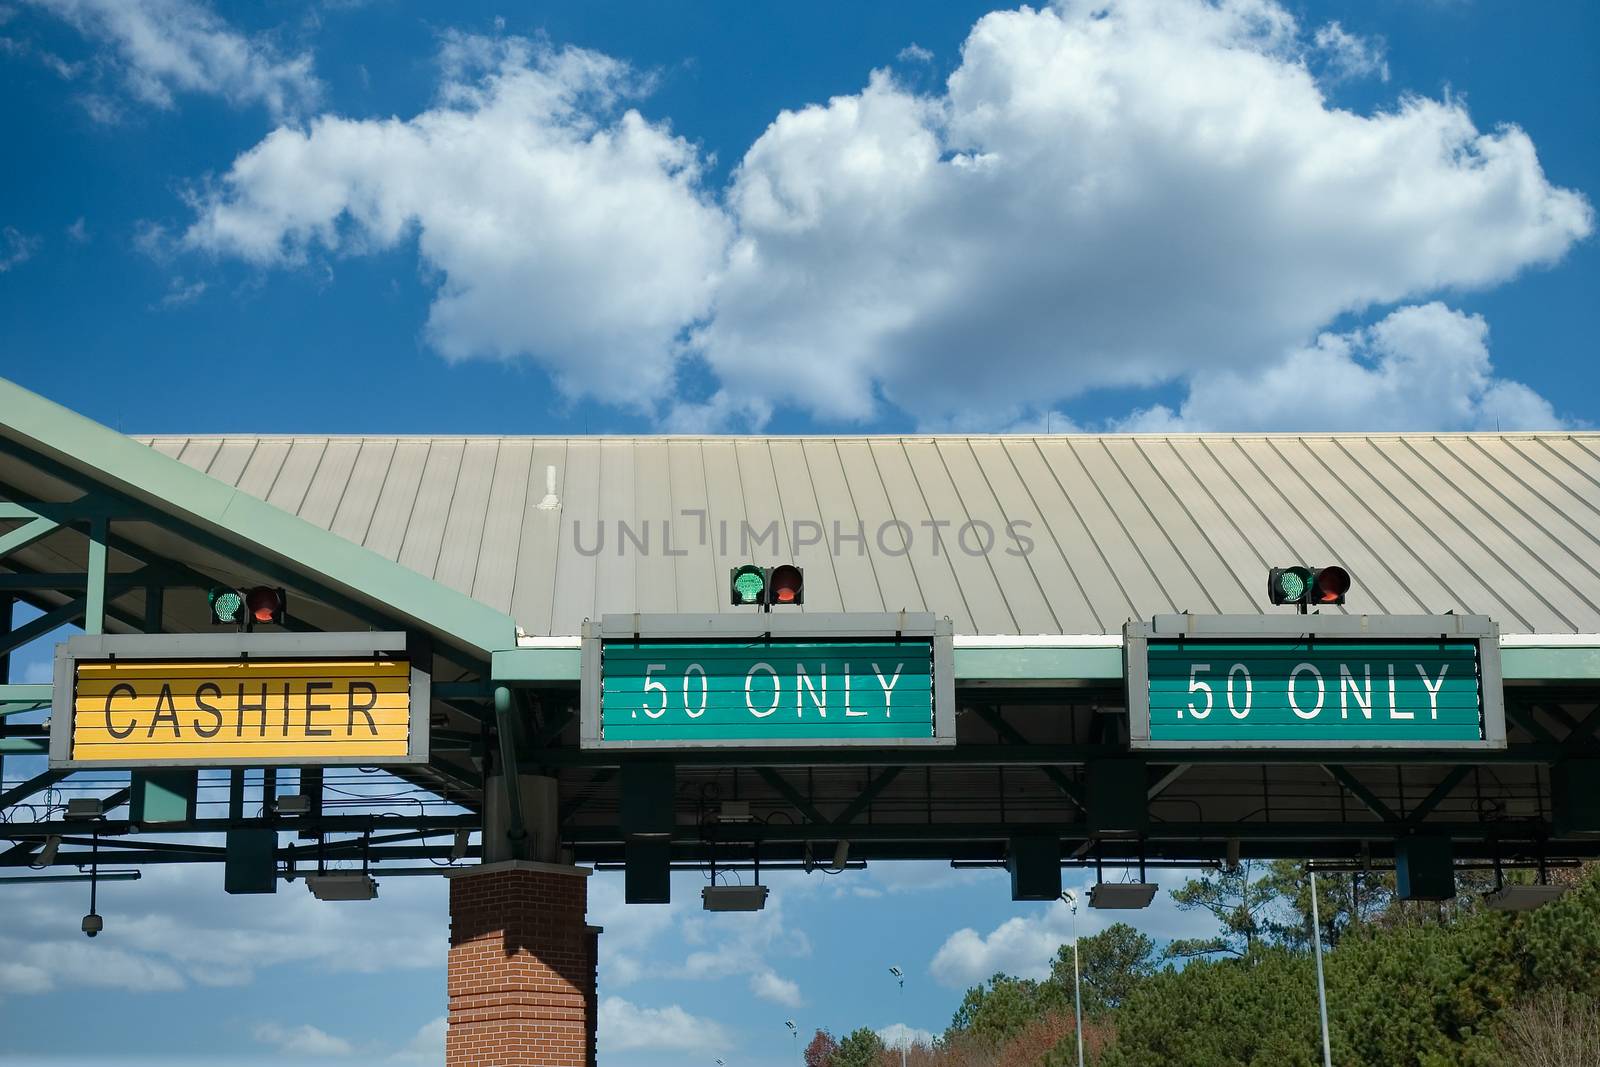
x=977 y=540
x=353 y=515
x=469 y=506
x=294 y=477
x=494 y=571
x=534 y=585
x=806 y=526
x=397 y=499
x=655 y=574
x=327 y=487
x=906 y=526
x=1119 y=526
x=851 y=569
x=700 y=586
x=263 y=466
x=898 y=585
x=578 y=547
x=1486 y=545
x=231 y=458
x=1403 y=529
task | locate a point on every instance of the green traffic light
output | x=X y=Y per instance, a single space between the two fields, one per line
x=748 y=583
x=226 y=605
x=1291 y=585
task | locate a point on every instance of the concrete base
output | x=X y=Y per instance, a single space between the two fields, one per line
x=522 y=967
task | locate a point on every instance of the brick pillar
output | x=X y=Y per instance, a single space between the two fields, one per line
x=522 y=967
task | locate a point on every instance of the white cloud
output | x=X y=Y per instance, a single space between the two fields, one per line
x=1107 y=194
x=768 y=985
x=1021 y=946
x=915 y=53
x=78 y=232
x=427 y=1046
x=1110 y=194
x=163 y=47
x=302 y=1040
x=624 y=1026
x=1350 y=56
x=895 y=1034
x=1421 y=367
x=16 y=248
x=562 y=229
x=175 y=927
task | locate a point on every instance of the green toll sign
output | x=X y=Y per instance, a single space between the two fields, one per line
x=692 y=692
x=1264 y=692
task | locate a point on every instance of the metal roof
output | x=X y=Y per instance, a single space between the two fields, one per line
x=1083 y=532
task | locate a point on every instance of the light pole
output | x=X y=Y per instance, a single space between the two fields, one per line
x=1071 y=900
x=1322 y=991
x=900 y=976
x=795 y=1030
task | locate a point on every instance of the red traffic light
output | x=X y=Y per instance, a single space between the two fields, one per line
x=786 y=585
x=265 y=604
x=1330 y=586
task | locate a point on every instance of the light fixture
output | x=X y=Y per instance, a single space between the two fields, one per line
x=766 y=586
x=458 y=849
x=342 y=885
x=1125 y=896
x=790 y=1024
x=239 y=607
x=734 y=811
x=85 y=808
x=733 y=897
x=293 y=804
x=92 y=924
x=841 y=854
x=1522 y=897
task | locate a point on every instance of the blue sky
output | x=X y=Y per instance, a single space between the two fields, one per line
x=390 y=217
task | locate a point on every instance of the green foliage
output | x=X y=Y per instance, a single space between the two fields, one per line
x=862 y=1048
x=1111 y=963
x=1237 y=898
x=998 y=1011
x=1409 y=985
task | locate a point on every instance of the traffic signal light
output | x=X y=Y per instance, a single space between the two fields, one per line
x=1307 y=585
x=766 y=586
x=235 y=607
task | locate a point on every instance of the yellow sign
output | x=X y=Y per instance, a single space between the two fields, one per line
x=236 y=711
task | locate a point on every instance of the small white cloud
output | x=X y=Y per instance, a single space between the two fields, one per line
x=16 y=248
x=427 y=1046
x=1421 y=367
x=302 y=1040
x=1349 y=56
x=1022 y=946
x=914 y=53
x=163 y=47
x=624 y=1026
x=180 y=292
x=896 y=1034
x=768 y=985
x=78 y=232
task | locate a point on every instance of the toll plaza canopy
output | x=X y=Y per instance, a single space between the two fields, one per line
x=498 y=557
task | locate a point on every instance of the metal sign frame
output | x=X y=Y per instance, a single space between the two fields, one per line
x=782 y=626
x=1201 y=628
x=235 y=646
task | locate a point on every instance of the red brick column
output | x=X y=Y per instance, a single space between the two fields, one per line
x=522 y=967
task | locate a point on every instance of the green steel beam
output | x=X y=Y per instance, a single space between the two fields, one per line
x=69 y=612
x=1361 y=792
x=791 y=794
x=1012 y=735
x=24 y=746
x=27 y=534
x=30 y=787
x=26 y=692
x=1524 y=717
x=48 y=435
x=1445 y=787
x=868 y=795
x=94 y=609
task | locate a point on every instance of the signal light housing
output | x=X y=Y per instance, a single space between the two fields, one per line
x=766 y=586
x=244 y=607
x=1307 y=585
